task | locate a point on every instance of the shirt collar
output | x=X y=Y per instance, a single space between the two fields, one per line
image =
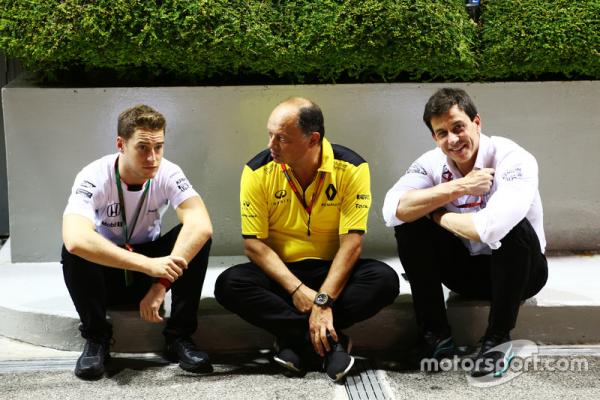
x=326 y=156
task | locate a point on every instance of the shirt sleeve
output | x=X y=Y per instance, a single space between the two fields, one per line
x=84 y=197
x=253 y=205
x=356 y=200
x=517 y=179
x=178 y=187
x=416 y=177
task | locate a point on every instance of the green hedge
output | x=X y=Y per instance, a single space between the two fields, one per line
x=532 y=38
x=221 y=41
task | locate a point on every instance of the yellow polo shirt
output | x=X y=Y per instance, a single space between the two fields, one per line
x=271 y=211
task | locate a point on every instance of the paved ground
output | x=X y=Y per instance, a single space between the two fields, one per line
x=31 y=372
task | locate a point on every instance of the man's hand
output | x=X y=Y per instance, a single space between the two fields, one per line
x=169 y=267
x=478 y=182
x=304 y=299
x=319 y=323
x=150 y=304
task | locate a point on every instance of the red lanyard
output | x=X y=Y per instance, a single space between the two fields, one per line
x=314 y=196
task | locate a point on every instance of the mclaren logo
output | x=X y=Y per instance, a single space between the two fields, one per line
x=330 y=192
x=113 y=210
x=280 y=194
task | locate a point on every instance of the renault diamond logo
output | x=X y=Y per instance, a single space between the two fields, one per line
x=113 y=210
x=330 y=192
x=280 y=194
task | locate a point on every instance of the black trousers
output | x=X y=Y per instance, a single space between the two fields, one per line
x=432 y=256
x=94 y=287
x=247 y=291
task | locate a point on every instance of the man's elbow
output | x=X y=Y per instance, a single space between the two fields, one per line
x=73 y=244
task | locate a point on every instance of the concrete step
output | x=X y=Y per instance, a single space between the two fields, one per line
x=35 y=307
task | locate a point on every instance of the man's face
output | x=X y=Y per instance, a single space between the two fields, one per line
x=286 y=141
x=141 y=154
x=458 y=137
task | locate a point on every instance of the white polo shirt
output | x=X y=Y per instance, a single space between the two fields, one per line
x=95 y=196
x=514 y=194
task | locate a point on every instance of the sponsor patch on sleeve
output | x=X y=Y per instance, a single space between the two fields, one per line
x=512 y=174
x=183 y=184
x=84 y=193
x=416 y=168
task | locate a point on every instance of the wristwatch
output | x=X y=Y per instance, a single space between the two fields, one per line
x=323 y=300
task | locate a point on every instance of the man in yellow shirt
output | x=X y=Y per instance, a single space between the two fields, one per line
x=304 y=206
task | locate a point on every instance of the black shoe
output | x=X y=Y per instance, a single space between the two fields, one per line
x=438 y=346
x=338 y=361
x=491 y=358
x=90 y=365
x=190 y=359
x=287 y=355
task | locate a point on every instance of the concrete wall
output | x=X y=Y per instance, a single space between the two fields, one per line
x=212 y=131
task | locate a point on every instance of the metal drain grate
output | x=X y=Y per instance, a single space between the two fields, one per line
x=364 y=384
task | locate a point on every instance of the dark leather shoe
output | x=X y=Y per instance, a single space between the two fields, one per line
x=184 y=351
x=90 y=364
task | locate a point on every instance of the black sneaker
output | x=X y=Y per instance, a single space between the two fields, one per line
x=494 y=357
x=287 y=355
x=438 y=347
x=190 y=359
x=90 y=365
x=338 y=361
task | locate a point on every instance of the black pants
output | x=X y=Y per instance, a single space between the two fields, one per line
x=432 y=256
x=247 y=291
x=95 y=287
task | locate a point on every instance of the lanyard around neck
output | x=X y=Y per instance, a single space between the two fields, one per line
x=126 y=233
x=307 y=207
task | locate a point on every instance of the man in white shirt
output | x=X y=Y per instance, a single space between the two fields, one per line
x=468 y=215
x=113 y=252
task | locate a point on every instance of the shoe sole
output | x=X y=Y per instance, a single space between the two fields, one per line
x=203 y=369
x=287 y=365
x=343 y=374
x=507 y=361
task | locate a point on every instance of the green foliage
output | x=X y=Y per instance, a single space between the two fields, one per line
x=532 y=38
x=295 y=41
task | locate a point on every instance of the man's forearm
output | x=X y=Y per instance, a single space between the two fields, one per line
x=459 y=224
x=271 y=264
x=417 y=203
x=342 y=265
x=192 y=237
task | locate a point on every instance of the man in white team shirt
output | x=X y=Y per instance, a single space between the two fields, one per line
x=113 y=252
x=468 y=215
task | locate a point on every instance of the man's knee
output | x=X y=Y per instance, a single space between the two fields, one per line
x=227 y=283
x=521 y=236
x=383 y=279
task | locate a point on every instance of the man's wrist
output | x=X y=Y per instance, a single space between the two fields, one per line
x=163 y=283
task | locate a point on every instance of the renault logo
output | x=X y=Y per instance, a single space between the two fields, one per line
x=330 y=192
x=280 y=194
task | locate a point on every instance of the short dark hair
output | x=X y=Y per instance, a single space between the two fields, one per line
x=443 y=100
x=310 y=119
x=139 y=116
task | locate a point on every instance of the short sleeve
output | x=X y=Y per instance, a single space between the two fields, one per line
x=84 y=197
x=178 y=187
x=253 y=205
x=356 y=200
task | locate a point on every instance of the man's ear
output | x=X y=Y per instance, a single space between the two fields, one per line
x=120 y=144
x=315 y=138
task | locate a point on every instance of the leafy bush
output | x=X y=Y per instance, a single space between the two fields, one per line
x=196 y=40
x=294 y=41
x=533 y=38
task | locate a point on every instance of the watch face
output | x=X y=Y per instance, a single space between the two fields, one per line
x=321 y=299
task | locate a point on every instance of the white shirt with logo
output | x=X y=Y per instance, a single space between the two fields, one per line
x=514 y=194
x=95 y=196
